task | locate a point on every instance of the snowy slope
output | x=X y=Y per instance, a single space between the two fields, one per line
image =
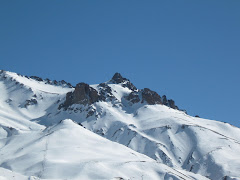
x=68 y=151
x=169 y=136
x=23 y=99
x=206 y=148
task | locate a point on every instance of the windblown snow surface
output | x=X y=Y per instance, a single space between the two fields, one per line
x=118 y=140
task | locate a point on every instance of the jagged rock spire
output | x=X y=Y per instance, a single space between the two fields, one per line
x=118 y=79
x=169 y=102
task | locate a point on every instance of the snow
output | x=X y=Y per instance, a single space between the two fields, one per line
x=38 y=140
x=16 y=91
x=40 y=86
x=67 y=150
x=119 y=92
x=6 y=174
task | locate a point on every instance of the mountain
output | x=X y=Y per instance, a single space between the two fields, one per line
x=78 y=154
x=115 y=131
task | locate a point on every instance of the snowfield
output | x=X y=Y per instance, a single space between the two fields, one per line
x=68 y=151
x=112 y=138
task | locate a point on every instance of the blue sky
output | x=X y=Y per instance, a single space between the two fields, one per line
x=188 y=50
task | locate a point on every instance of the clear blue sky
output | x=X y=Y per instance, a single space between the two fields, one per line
x=188 y=50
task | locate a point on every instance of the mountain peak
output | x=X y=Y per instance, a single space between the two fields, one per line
x=117 y=78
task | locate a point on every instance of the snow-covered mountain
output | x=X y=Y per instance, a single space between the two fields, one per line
x=116 y=131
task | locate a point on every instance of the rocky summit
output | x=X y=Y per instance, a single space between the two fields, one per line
x=118 y=79
x=87 y=95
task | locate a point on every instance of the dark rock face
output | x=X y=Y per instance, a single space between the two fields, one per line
x=151 y=97
x=90 y=113
x=170 y=103
x=133 y=97
x=36 y=78
x=83 y=94
x=105 y=92
x=164 y=100
x=62 y=82
x=118 y=79
x=48 y=81
x=30 y=102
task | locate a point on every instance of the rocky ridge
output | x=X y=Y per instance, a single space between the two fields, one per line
x=87 y=95
x=39 y=79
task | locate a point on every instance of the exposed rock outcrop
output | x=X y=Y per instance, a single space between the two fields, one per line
x=105 y=92
x=170 y=103
x=151 y=97
x=36 y=78
x=118 y=79
x=30 y=102
x=164 y=100
x=52 y=82
x=83 y=94
x=86 y=95
x=133 y=97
